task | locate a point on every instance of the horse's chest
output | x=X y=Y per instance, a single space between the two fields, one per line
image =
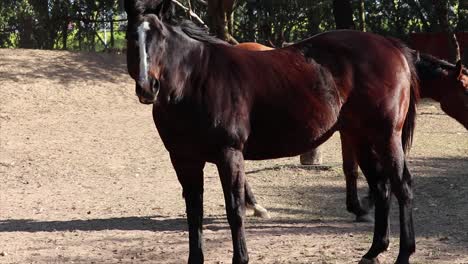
x=192 y=131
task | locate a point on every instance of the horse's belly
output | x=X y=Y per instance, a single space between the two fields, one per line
x=286 y=137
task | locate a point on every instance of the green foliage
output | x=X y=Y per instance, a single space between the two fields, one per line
x=76 y=24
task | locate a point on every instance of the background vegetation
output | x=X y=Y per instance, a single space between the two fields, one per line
x=98 y=24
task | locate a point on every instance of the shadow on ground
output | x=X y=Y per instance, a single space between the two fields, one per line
x=441 y=210
x=65 y=67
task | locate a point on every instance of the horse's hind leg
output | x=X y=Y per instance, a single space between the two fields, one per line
x=394 y=173
x=190 y=175
x=350 y=169
x=251 y=202
x=401 y=187
x=231 y=172
x=380 y=188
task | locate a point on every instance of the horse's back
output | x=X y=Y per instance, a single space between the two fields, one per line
x=254 y=46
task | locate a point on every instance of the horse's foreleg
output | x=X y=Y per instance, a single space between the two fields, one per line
x=190 y=175
x=350 y=169
x=231 y=172
x=251 y=203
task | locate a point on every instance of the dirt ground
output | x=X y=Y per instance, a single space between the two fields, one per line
x=84 y=178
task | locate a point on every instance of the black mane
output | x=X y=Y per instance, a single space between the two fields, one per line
x=165 y=10
x=198 y=33
x=436 y=62
x=431 y=65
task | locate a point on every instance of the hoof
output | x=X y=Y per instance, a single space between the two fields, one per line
x=261 y=212
x=369 y=261
x=313 y=157
x=365 y=218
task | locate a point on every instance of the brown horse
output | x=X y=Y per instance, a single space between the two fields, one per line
x=216 y=103
x=441 y=81
x=445 y=83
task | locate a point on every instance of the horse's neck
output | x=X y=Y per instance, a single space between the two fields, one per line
x=433 y=80
x=432 y=88
x=180 y=64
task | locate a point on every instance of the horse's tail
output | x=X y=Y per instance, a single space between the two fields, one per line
x=410 y=120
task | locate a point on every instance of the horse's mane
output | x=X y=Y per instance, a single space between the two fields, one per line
x=198 y=33
x=166 y=12
x=434 y=64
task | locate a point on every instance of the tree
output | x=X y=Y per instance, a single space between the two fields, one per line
x=219 y=17
x=343 y=12
x=441 y=12
x=362 y=15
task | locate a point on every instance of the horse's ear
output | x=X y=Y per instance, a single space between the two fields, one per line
x=155 y=22
x=167 y=10
x=459 y=68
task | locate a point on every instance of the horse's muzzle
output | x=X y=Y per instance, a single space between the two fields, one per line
x=147 y=90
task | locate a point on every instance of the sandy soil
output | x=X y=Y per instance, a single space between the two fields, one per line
x=84 y=178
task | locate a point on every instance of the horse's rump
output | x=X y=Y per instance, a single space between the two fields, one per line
x=355 y=60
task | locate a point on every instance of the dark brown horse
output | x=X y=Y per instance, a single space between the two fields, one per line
x=441 y=81
x=216 y=103
x=445 y=83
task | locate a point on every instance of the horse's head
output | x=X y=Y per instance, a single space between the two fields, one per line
x=454 y=101
x=146 y=43
x=164 y=9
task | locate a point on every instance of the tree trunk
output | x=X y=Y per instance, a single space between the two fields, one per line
x=441 y=12
x=80 y=37
x=343 y=12
x=64 y=35
x=313 y=27
x=25 y=38
x=462 y=11
x=362 y=16
x=462 y=25
x=112 y=40
x=219 y=14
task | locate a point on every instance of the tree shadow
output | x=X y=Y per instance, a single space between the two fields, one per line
x=149 y=223
x=159 y=224
x=440 y=210
x=63 y=67
x=327 y=167
x=441 y=191
x=440 y=195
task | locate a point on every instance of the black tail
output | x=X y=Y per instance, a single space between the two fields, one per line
x=410 y=121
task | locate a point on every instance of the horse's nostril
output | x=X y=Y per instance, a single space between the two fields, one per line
x=138 y=89
x=155 y=85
